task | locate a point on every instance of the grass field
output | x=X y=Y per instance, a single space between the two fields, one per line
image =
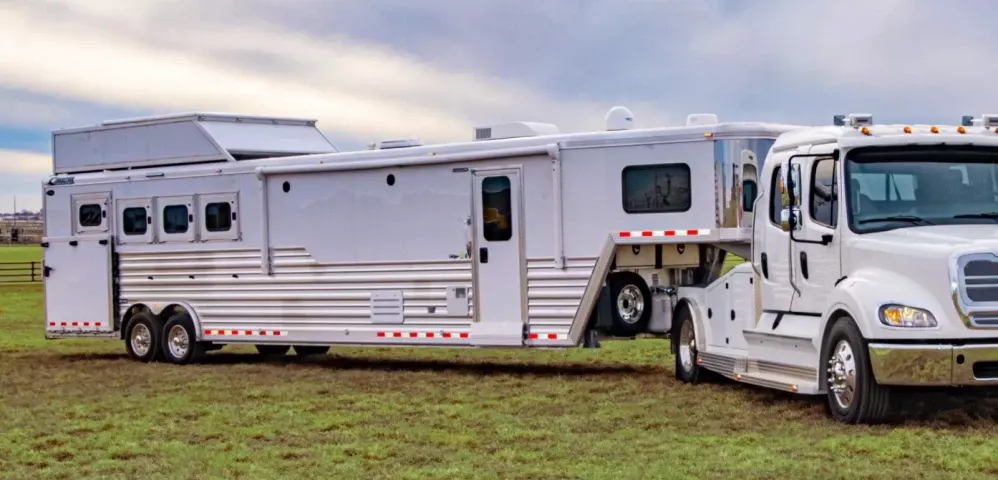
x=80 y=409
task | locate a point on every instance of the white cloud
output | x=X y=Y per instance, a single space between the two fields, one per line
x=126 y=55
x=15 y=162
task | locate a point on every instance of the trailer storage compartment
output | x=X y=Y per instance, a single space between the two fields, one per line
x=77 y=274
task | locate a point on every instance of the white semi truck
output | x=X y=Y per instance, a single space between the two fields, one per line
x=182 y=234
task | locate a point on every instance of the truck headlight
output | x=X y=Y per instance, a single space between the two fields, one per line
x=904 y=316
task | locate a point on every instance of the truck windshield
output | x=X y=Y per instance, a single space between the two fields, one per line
x=903 y=187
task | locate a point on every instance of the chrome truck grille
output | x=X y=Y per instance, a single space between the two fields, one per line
x=979 y=288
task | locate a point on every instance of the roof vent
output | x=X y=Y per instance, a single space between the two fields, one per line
x=619 y=118
x=695 y=119
x=514 y=130
x=399 y=143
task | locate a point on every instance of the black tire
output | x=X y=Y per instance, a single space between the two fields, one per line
x=869 y=402
x=687 y=369
x=273 y=350
x=630 y=305
x=180 y=345
x=311 y=350
x=144 y=338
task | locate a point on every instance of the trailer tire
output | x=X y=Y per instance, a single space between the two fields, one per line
x=631 y=307
x=180 y=345
x=144 y=337
x=272 y=350
x=687 y=368
x=311 y=350
x=847 y=367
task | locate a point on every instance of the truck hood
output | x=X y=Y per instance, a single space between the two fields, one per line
x=930 y=241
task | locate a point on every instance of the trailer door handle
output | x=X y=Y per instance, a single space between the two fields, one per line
x=483 y=255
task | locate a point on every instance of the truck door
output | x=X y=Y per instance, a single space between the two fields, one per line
x=814 y=247
x=77 y=276
x=771 y=253
x=499 y=265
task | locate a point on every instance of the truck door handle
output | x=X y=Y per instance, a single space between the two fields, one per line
x=803 y=264
x=483 y=254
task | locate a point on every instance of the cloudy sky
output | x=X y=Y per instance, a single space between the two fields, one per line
x=377 y=69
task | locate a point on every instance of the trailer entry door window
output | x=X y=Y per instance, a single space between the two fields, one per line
x=91 y=215
x=497 y=209
x=134 y=221
x=218 y=217
x=175 y=219
x=656 y=188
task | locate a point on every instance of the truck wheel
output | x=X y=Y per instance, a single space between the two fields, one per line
x=143 y=337
x=853 y=393
x=687 y=369
x=310 y=350
x=179 y=340
x=631 y=305
x=272 y=350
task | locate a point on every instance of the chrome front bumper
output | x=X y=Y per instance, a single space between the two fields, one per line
x=934 y=365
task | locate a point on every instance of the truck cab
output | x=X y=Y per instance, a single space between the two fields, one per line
x=874 y=264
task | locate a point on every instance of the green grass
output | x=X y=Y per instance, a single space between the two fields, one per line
x=80 y=409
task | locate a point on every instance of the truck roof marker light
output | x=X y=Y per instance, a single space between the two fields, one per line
x=907 y=129
x=865 y=130
x=934 y=129
x=960 y=129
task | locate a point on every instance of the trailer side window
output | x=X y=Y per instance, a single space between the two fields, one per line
x=824 y=198
x=497 y=209
x=91 y=215
x=218 y=217
x=134 y=221
x=175 y=219
x=656 y=188
x=775 y=199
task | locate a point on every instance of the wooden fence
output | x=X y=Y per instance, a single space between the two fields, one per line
x=20 y=272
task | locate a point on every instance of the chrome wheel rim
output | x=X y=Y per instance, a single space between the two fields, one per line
x=842 y=374
x=177 y=341
x=687 y=346
x=630 y=304
x=141 y=340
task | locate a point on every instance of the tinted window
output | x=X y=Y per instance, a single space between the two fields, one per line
x=175 y=219
x=91 y=215
x=218 y=217
x=497 y=209
x=133 y=221
x=656 y=188
x=775 y=198
x=749 y=192
x=824 y=198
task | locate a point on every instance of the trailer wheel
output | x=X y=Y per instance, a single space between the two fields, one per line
x=179 y=340
x=687 y=369
x=143 y=337
x=311 y=350
x=272 y=350
x=853 y=393
x=631 y=304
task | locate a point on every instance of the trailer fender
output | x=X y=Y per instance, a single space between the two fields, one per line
x=160 y=308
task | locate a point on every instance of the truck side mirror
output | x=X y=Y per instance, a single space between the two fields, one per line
x=790 y=219
x=790 y=185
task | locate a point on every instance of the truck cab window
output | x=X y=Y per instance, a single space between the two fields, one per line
x=775 y=199
x=90 y=215
x=497 y=209
x=175 y=219
x=133 y=221
x=656 y=188
x=218 y=217
x=824 y=198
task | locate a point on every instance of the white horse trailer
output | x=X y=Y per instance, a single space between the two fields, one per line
x=182 y=234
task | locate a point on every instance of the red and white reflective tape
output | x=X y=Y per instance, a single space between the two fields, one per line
x=75 y=324
x=246 y=333
x=423 y=334
x=665 y=233
x=547 y=336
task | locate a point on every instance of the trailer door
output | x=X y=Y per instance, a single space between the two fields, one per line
x=78 y=285
x=499 y=267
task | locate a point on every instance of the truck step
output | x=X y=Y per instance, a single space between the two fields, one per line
x=791 y=378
